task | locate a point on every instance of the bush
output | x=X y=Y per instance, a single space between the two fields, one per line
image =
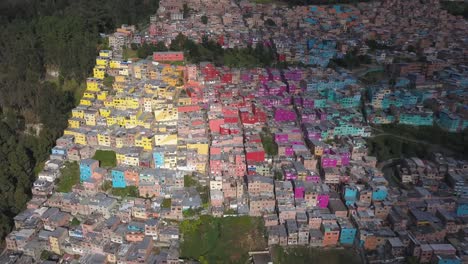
x=106 y=158
x=70 y=176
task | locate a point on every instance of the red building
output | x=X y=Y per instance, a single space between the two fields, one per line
x=215 y=124
x=168 y=56
x=255 y=155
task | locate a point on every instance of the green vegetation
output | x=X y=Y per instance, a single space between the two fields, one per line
x=147 y=50
x=204 y=19
x=230 y=212
x=106 y=158
x=106 y=185
x=45 y=255
x=221 y=240
x=374 y=45
x=278 y=175
x=129 y=191
x=166 y=203
x=373 y=77
x=211 y=51
x=40 y=38
x=75 y=222
x=352 y=60
x=108 y=81
x=70 y=176
x=457 y=8
x=269 y=144
x=129 y=54
x=204 y=192
x=323 y=2
x=269 y=22
x=192 y=212
x=409 y=141
x=189 y=181
x=298 y=255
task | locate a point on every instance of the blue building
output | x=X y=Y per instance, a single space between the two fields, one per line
x=450 y=259
x=462 y=207
x=57 y=150
x=379 y=193
x=158 y=157
x=347 y=231
x=350 y=194
x=136 y=227
x=450 y=122
x=118 y=178
x=417 y=118
x=87 y=167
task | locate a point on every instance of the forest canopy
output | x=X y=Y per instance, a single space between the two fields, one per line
x=37 y=37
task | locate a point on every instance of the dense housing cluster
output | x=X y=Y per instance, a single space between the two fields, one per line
x=288 y=145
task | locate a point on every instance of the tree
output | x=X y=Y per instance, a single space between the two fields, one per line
x=185 y=10
x=269 y=22
x=204 y=19
x=108 y=81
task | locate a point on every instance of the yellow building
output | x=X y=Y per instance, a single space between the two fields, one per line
x=103 y=138
x=74 y=122
x=78 y=112
x=201 y=167
x=202 y=148
x=99 y=72
x=102 y=95
x=86 y=102
x=93 y=84
x=56 y=237
x=111 y=120
x=166 y=113
x=89 y=95
x=161 y=139
x=114 y=64
x=105 y=112
x=100 y=61
x=105 y=53
x=80 y=137
x=184 y=100
x=109 y=102
x=90 y=117
x=120 y=158
x=145 y=141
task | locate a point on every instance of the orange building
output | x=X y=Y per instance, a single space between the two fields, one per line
x=168 y=56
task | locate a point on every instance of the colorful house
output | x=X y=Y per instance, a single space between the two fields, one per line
x=347 y=231
x=118 y=177
x=87 y=167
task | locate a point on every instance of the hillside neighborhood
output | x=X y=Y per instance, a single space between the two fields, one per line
x=160 y=141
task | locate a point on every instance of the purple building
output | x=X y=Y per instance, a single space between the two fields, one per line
x=285 y=114
x=299 y=189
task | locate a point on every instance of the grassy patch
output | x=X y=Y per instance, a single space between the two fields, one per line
x=70 y=176
x=38 y=168
x=456 y=8
x=304 y=255
x=410 y=141
x=222 y=240
x=129 y=54
x=108 y=81
x=166 y=203
x=75 y=222
x=129 y=191
x=268 y=142
x=106 y=158
x=189 y=181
